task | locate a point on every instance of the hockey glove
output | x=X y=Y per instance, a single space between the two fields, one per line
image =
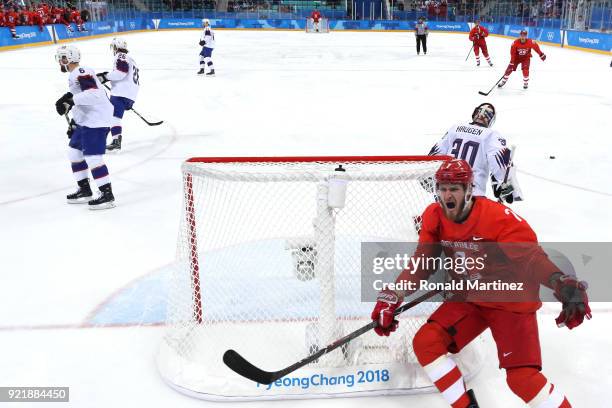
x=71 y=127
x=202 y=43
x=102 y=77
x=543 y=57
x=64 y=104
x=386 y=303
x=572 y=294
x=504 y=192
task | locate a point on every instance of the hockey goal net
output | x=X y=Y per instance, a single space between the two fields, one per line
x=322 y=27
x=268 y=264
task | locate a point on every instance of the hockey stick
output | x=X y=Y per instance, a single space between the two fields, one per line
x=490 y=90
x=242 y=367
x=139 y=115
x=469 y=52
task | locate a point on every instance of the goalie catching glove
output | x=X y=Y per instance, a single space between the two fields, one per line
x=572 y=294
x=386 y=304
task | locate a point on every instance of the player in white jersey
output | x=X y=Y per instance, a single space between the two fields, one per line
x=485 y=150
x=124 y=79
x=91 y=119
x=207 y=41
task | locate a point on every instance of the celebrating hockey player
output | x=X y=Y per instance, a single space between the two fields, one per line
x=477 y=35
x=485 y=150
x=520 y=53
x=421 y=31
x=457 y=226
x=91 y=118
x=207 y=41
x=125 y=82
x=315 y=16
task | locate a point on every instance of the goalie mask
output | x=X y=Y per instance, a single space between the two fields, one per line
x=67 y=54
x=484 y=115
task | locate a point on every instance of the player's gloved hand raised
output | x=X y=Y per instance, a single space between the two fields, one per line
x=386 y=303
x=102 y=77
x=64 y=104
x=71 y=127
x=543 y=57
x=572 y=294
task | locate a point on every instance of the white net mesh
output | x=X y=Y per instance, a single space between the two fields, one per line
x=322 y=27
x=266 y=267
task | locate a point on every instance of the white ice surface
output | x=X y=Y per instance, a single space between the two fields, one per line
x=276 y=93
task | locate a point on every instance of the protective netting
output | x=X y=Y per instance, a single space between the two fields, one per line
x=267 y=267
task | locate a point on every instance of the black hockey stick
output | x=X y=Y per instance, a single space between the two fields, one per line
x=139 y=115
x=469 y=52
x=241 y=366
x=490 y=90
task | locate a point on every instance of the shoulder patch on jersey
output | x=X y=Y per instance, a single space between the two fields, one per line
x=87 y=82
x=122 y=65
x=502 y=157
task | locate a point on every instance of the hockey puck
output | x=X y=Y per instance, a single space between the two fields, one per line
x=551 y=157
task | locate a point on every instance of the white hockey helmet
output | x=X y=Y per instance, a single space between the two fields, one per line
x=68 y=54
x=118 y=44
x=205 y=22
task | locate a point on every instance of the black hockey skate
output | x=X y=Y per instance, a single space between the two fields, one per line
x=105 y=200
x=211 y=73
x=115 y=145
x=473 y=402
x=82 y=195
x=201 y=71
x=525 y=86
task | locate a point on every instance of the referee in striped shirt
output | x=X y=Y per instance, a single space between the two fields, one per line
x=420 y=33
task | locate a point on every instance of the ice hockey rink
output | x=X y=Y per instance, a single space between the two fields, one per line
x=83 y=292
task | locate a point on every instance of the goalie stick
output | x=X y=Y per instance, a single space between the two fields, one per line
x=139 y=115
x=241 y=366
x=491 y=90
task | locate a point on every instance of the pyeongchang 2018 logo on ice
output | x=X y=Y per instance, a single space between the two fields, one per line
x=588 y=40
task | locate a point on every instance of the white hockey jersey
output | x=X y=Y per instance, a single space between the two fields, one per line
x=208 y=36
x=91 y=105
x=484 y=149
x=124 y=78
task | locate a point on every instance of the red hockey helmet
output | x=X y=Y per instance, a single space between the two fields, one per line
x=455 y=171
x=524 y=32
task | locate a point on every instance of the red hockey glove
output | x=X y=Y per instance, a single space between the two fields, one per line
x=543 y=57
x=386 y=303
x=572 y=294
